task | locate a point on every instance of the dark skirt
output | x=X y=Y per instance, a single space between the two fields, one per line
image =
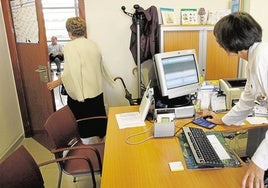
x=89 y=108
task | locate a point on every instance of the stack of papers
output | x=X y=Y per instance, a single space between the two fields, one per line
x=135 y=119
x=260 y=111
x=257 y=120
x=130 y=119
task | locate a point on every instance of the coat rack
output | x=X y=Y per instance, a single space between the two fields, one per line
x=136 y=19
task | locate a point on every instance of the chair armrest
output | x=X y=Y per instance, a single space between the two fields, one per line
x=90 y=118
x=82 y=147
x=71 y=158
x=63 y=159
x=91 y=147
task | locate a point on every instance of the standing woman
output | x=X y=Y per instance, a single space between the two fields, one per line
x=238 y=33
x=82 y=78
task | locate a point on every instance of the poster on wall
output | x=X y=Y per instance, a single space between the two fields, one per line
x=189 y=16
x=236 y=5
x=25 y=21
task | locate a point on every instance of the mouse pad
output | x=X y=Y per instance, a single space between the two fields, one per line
x=204 y=123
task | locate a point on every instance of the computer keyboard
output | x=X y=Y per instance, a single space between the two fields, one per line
x=203 y=152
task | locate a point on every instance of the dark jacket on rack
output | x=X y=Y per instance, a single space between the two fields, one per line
x=149 y=34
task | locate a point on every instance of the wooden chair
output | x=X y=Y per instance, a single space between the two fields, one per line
x=19 y=169
x=61 y=127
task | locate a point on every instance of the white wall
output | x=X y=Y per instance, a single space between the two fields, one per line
x=109 y=27
x=258 y=9
x=10 y=122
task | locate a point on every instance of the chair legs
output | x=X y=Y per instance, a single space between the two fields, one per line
x=92 y=174
x=60 y=177
x=75 y=178
x=93 y=180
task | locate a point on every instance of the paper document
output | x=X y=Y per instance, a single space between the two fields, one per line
x=218 y=102
x=130 y=119
x=260 y=111
x=135 y=119
x=257 y=120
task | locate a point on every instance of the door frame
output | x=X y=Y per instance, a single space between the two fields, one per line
x=16 y=66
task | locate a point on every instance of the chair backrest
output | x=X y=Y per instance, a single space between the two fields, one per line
x=61 y=127
x=19 y=169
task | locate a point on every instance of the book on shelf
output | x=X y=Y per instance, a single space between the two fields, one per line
x=215 y=15
x=189 y=16
x=168 y=16
x=236 y=5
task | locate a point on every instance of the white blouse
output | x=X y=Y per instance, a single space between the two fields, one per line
x=83 y=69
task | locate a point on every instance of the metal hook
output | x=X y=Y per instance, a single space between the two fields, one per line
x=127 y=13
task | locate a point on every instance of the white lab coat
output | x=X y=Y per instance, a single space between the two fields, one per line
x=257 y=85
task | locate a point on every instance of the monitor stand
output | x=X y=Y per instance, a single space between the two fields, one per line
x=182 y=107
x=165 y=102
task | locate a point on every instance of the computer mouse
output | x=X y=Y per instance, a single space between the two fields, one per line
x=208 y=117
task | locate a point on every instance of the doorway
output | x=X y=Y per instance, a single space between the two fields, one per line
x=30 y=61
x=56 y=12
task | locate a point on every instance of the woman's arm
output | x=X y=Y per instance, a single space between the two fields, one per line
x=53 y=84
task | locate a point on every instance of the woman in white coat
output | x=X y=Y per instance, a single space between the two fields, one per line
x=239 y=34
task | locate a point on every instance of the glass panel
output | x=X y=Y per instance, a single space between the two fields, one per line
x=59 y=4
x=55 y=22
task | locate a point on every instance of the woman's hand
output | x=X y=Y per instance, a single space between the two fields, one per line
x=53 y=84
x=216 y=119
x=253 y=177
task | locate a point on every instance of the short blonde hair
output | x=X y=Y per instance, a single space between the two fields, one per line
x=76 y=26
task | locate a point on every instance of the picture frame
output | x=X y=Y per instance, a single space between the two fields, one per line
x=236 y=6
x=189 y=16
x=168 y=16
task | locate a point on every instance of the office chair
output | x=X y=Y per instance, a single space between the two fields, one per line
x=61 y=127
x=19 y=169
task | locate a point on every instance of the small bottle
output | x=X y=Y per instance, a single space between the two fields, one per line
x=202 y=14
x=202 y=79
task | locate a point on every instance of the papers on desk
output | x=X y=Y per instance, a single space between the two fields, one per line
x=260 y=111
x=257 y=120
x=213 y=99
x=176 y=166
x=136 y=119
x=218 y=103
x=130 y=119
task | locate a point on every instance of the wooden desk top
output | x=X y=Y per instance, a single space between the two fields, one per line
x=146 y=164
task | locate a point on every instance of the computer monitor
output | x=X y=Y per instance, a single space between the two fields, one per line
x=177 y=73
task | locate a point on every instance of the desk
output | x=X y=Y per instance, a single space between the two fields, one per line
x=146 y=165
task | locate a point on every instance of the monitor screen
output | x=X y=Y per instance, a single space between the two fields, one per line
x=177 y=73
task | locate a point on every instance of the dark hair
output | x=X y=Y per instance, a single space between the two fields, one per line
x=237 y=31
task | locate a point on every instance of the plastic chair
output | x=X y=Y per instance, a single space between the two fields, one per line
x=19 y=169
x=61 y=127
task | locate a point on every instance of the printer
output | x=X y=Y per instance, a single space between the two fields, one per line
x=232 y=88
